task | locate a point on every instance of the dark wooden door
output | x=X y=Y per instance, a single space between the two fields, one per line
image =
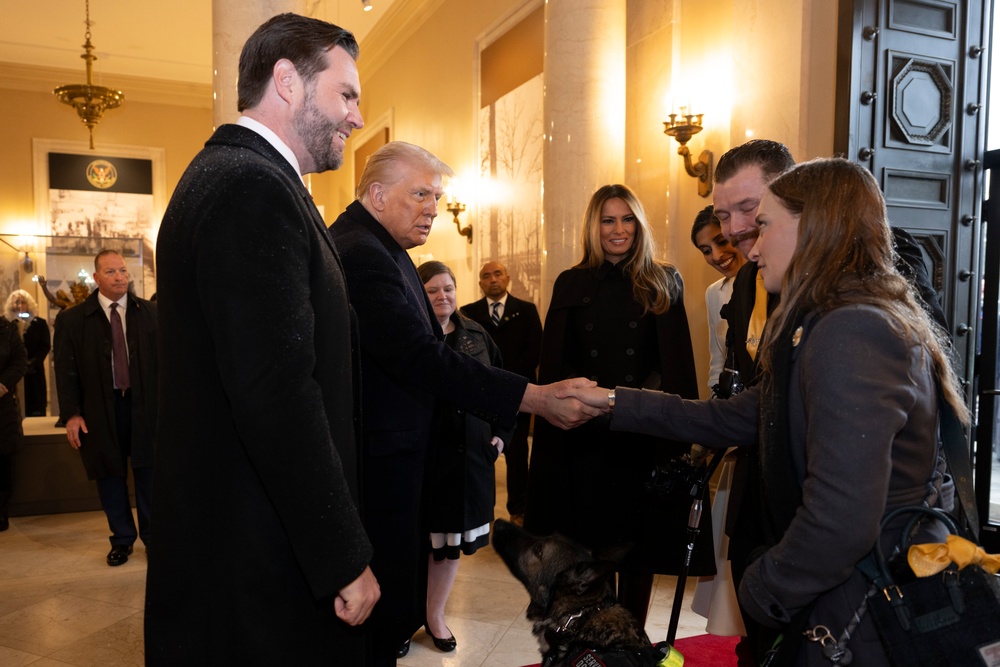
x=910 y=93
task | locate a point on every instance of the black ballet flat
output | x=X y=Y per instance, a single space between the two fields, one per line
x=446 y=645
x=403 y=649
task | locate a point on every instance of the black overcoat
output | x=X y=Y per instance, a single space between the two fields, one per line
x=13 y=364
x=588 y=482
x=462 y=493
x=86 y=386
x=38 y=343
x=255 y=499
x=405 y=365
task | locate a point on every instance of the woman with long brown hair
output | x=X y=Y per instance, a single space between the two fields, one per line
x=618 y=318
x=846 y=412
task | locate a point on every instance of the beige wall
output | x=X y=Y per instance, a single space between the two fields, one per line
x=755 y=68
x=427 y=81
x=179 y=129
x=419 y=74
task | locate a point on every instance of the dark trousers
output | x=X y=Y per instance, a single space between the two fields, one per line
x=6 y=482
x=113 y=489
x=516 y=455
x=394 y=520
x=746 y=536
x=635 y=588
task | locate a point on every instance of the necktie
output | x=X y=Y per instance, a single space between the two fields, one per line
x=496 y=314
x=119 y=352
x=758 y=318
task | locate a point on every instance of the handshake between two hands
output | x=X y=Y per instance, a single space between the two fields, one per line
x=568 y=403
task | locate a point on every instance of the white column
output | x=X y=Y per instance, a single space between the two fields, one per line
x=584 y=117
x=233 y=21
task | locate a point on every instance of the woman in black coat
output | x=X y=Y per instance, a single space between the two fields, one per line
x=13 y=363
x=618 y=314
x=462 y=492
x=20 y=307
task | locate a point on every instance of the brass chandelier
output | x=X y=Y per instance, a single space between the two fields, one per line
x=90 y=101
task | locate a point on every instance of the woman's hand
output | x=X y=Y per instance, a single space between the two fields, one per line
x=498 y=443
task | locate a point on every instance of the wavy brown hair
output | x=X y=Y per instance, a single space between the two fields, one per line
x=844 y=255
x=654 y=283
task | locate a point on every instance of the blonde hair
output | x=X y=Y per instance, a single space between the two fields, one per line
x=654 y=283
x=383 y=165
x=9 y=306
x=844 y=255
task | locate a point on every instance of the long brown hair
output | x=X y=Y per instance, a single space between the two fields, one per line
x=653 y=282
x=844 y=255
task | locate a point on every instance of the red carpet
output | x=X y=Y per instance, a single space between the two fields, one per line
x=705 y=651
x=708 y=651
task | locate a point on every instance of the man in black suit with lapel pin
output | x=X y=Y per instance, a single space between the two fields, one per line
x=516 y=328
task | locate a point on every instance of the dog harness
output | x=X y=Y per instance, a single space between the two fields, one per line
x=660 y=655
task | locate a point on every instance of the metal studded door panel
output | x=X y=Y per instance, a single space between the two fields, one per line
x=910 y=78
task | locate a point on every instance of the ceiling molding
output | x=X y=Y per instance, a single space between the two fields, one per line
x=398 y=25
x=137 y=89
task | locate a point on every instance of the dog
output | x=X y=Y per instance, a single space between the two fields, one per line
x=576 y=617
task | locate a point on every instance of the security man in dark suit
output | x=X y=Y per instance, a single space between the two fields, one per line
x=106 y=378
x=516 y=328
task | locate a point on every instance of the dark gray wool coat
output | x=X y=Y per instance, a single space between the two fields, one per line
x=862 y=416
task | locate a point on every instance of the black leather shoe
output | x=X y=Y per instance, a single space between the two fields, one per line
x=403 y=649
x=119 y=554
x=4 y=522
x=446 y=645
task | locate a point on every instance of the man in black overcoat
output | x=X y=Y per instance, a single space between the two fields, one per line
x=261 y=555
x=515 y=327
x=110 y=416
x=405 y=365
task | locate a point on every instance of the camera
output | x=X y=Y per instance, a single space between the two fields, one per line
x=729 y=384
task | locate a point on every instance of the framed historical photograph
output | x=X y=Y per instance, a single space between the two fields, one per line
x=87 y=200
x=114 y=192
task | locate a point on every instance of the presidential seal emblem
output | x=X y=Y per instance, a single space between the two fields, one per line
x=101 y=174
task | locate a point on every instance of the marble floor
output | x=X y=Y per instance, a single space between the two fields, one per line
x=61 y=605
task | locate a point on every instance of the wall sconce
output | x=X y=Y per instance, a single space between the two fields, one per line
x=28 y=264
x=455 y=207
x=704 y=168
